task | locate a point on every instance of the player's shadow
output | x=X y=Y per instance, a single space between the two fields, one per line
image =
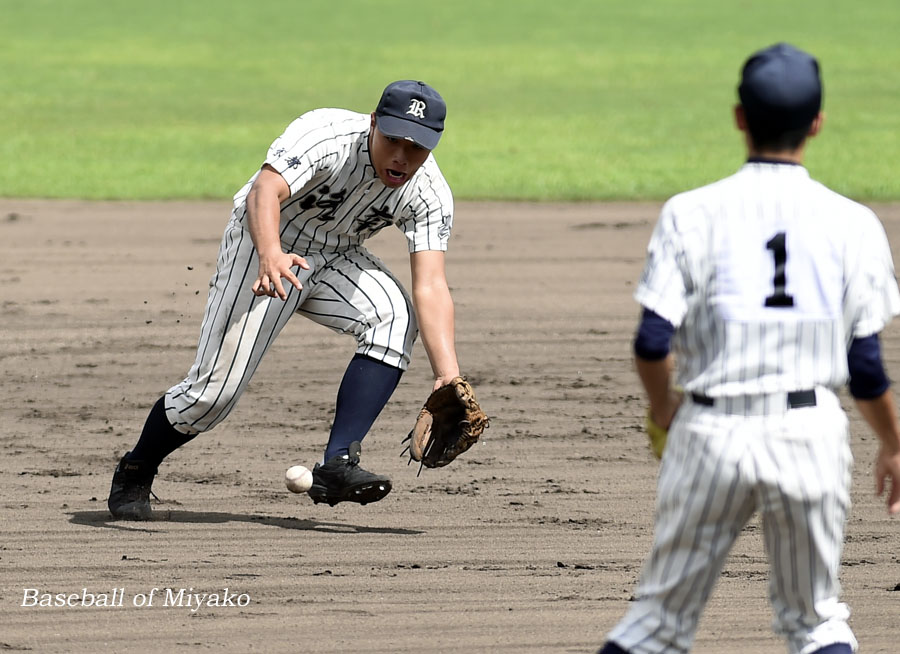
x=103 y=519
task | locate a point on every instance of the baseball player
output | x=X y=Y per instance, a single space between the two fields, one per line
x=772 y=291
x=294 y=244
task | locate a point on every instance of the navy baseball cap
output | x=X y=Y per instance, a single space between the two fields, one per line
x=781 y=88
x=411 y=110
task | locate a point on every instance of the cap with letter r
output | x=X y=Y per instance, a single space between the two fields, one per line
x=781 y=88
x=413 y=111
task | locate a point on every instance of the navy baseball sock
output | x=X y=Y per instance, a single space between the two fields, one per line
x=365 y=389
x=835 y=648
x=611 y=648
x=158 y=438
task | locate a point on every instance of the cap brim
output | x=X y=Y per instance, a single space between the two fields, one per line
x=399 y=128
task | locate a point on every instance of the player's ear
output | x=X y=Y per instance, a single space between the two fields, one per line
x=372 y=122
x=817 y=124
x=740 y=118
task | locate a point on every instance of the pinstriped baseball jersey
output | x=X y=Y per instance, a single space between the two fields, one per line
x=337 y=200
x=350 y=292
x=773 y=274
x=767 y=276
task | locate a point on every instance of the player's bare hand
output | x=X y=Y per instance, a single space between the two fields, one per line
x=887 y=478
x=274 y=268
x=443 y=380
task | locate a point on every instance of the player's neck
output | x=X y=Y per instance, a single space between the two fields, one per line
x=775 y=157
x=766 y=154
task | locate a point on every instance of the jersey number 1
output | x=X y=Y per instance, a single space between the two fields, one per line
x=779 y=298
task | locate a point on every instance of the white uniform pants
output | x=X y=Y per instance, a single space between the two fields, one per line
x=717 y=470
x=350 y=291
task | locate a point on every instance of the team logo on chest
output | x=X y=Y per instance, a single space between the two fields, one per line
x=416 y=109
x=375 y=220
x=326 y=200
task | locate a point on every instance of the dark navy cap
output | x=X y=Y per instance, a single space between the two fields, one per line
x=413 y=111
x=780 y=88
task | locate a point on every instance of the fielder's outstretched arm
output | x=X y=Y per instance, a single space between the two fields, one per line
x=264 y=200
x=435 y=313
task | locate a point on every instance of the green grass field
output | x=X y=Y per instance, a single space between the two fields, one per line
x=579 y=100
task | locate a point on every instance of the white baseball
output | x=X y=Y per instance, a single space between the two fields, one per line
x=298 y=479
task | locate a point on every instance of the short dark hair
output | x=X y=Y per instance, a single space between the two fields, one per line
x=764 y=138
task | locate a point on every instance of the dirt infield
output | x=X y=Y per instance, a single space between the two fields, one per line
x=532 y=542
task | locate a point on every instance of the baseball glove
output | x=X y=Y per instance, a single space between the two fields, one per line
x=657 y=435
x=450 y=422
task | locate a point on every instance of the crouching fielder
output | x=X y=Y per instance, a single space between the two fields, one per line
x=294 y=244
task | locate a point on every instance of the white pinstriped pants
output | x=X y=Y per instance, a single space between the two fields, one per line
x=350 y=292
x=717 y=470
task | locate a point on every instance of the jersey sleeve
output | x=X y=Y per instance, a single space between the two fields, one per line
x=301 y=152
x=662 y=287
x=871 y=295
x=427 y=219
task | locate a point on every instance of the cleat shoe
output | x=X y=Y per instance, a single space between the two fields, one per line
x=342 y=480
x=129 y=497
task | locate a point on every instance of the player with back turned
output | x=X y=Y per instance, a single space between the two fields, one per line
x=771 y=290
x=294 y=244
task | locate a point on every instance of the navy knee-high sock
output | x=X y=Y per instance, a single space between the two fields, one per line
x=158 y=438
x=365 y=389
x=835 y=648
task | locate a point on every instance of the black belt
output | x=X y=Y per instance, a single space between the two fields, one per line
x=795 y=399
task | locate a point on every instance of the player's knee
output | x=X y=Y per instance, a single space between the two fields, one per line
x=391 y=339
x=396 y=357
x=398 y=317
x=192 y=414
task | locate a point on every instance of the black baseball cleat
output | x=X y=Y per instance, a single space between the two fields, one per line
x=340 y=479
x=129 y=497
